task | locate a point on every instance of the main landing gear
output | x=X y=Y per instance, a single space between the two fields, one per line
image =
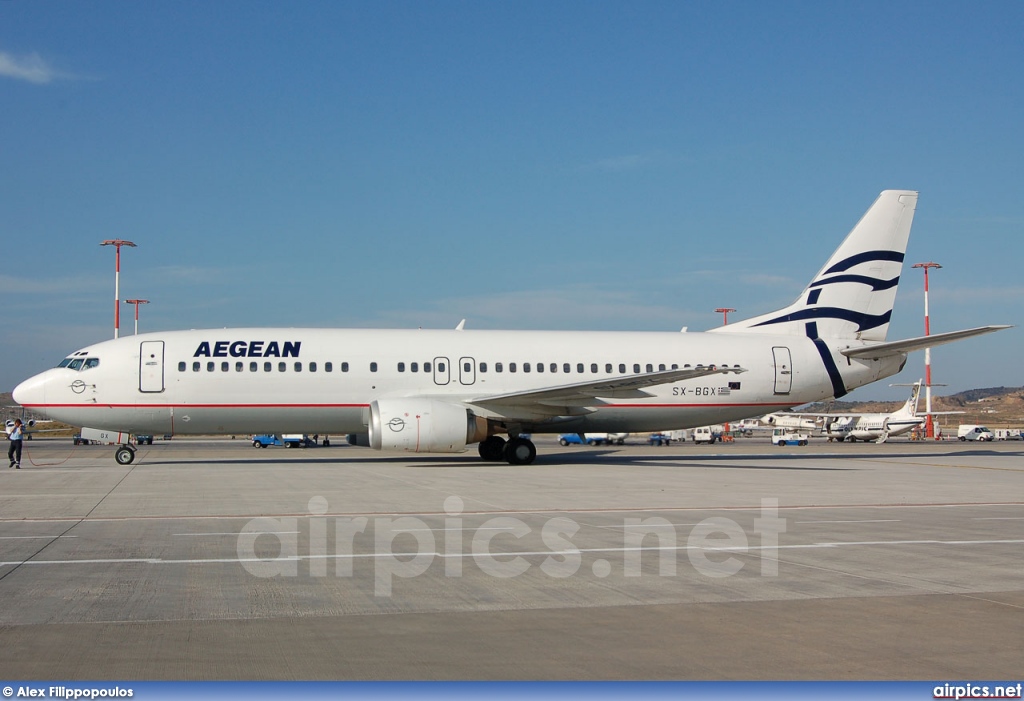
x=514 y=451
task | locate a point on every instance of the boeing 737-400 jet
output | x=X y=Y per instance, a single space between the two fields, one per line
x=437 y=391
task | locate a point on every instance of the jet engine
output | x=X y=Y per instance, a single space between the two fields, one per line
x=423 y=426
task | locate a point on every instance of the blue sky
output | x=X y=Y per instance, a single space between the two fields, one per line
x=583 y=165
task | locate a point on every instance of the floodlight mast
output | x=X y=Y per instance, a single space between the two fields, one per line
x=929 y=426
x=724 y=311
x=117 y=243
x=136 y=302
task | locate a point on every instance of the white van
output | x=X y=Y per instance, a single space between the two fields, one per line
x=703 y=434
x=973 y=432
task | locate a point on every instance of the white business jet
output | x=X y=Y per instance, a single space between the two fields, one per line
x=437 y=391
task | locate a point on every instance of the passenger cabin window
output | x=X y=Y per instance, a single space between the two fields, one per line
x=566 y=368
x=312 y=367
x=526 y=367
x=181 y=366
x=224 y=366
x=579 y=367
x=268 y=366
x=622 y=368
x=254 y=366
x=239 y=365
x=298 y=367
x=195 y=366
x=328 y=367
x=344 y=367
x=593 y=367
x=540 y=367
x=483 y=367
x=650 y=368
x=414 y=367
x=553 y=367
x=608 y=368
x=373 y=367
x=426 y=367
x=498 y=367
x=281 y=367
x=636 y=367
x=401 y=367
x=211 y=366
x=511 y=367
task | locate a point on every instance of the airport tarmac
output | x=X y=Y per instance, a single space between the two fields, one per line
x=208 y=559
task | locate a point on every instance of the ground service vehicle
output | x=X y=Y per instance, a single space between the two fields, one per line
x=788 y=436
x=704 y=434
x=973 y=432
x=265 y=439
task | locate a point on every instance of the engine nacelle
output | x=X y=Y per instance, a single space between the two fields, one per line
x=423 y=426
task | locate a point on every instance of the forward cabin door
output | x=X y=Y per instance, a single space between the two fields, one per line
x=151 y=366
x=783 y=370
x=442 y=373
x=467 y=371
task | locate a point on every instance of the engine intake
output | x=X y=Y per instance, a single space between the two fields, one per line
x=423 y=426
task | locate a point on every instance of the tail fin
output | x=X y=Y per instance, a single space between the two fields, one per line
x=910 y=407
x=853 y=294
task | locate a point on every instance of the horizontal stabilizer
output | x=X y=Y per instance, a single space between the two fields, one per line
x=885 y=350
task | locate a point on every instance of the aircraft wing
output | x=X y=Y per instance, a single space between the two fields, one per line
x=884 y=350
x=575 y=399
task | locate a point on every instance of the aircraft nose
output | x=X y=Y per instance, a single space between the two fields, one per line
x=31 y=392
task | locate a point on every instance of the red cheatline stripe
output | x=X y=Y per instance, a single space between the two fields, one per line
x=359 y=406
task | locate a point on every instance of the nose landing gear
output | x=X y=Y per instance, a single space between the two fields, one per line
x=125 y=455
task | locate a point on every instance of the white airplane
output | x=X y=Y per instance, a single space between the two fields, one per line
x=437 y=391
x=877 y=426
x=803 y=422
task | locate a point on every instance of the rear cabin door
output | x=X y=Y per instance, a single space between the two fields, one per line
x=783 y=370
x=151 y=366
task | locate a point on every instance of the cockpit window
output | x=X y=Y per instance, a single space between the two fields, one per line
x=91 y=363
x=64 y=363
x=76 y=363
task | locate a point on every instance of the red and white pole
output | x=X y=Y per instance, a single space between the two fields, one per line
x=929 y=426
x=117 y=243
x=117 y=292
x=136 y=302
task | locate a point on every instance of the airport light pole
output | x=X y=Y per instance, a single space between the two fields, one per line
x=929 y=427
x=724 y=311
x=117 y=243
x=136 y=302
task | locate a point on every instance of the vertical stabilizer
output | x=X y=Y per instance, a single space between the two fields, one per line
x=852 y=295
x=910 y=408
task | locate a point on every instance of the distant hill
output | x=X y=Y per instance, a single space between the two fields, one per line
x=998 y=407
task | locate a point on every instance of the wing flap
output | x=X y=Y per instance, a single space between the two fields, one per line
x=574 y=399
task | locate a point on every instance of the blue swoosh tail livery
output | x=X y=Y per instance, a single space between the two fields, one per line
x=852 y=295
x=440 y=391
